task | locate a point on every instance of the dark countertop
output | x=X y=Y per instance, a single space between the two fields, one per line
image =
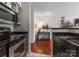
x=18 y=33
x=12 y=42
x=15 y=41
x=66 y=34
x=17 y=37
x=71 y=40
x=61 y=28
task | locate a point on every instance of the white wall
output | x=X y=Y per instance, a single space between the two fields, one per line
x=52 y=21
x=57 y=9
x=25 y=16
x=24 y=19
x=28 y=21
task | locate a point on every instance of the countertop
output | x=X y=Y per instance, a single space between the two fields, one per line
x=71 y=40
x=15 y=41
x=17 y=37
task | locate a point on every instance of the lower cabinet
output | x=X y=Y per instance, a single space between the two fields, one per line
x=61 y=48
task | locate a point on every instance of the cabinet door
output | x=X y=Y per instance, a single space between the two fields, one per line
x=6 y=15
x=65 y=48
x=56 y=45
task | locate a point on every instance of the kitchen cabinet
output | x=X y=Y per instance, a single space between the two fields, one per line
x=13 y=5
x=11 y=11
x=66 y=46
x=60 y=47
x=6 y=14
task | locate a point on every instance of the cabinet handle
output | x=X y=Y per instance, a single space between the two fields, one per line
x=0 y=48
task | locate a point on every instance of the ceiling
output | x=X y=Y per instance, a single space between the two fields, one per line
x=57 y=8
x=54 y=6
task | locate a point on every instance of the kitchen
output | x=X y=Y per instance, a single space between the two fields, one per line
x=45 y=29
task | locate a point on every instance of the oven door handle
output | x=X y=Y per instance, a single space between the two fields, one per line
x=4 y=30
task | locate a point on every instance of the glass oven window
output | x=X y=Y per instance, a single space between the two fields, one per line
x=19 y=50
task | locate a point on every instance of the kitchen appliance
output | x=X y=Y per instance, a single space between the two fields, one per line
x=17 y=45
x=4 y=41
x=7 y=17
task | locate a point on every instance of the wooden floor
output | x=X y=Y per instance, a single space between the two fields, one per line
x=36 y=55
x=42 y=47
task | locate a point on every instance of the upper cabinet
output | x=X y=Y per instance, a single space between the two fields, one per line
x=12 y=11
x=15 y=6
x=19 y=3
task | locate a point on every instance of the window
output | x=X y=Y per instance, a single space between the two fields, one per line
x=43 y=35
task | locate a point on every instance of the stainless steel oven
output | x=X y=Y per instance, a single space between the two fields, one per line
x=17 y=45
x=4 y=40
